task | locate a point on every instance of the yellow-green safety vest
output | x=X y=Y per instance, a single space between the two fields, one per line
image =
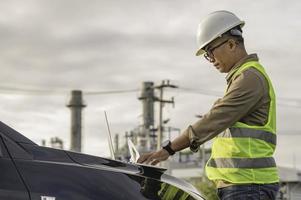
x=244 y=153
x=169 y=192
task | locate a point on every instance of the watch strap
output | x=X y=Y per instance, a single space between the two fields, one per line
x=169 y=149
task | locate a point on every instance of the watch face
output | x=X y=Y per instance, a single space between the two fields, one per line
x=165 y=143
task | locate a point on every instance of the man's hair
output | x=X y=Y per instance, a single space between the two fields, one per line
x=236 y=34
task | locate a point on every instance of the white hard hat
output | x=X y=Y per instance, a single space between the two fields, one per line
x=214 y=25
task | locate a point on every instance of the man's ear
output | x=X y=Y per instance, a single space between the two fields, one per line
x=232 y=44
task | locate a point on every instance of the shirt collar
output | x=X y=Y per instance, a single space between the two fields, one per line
x=251 y=57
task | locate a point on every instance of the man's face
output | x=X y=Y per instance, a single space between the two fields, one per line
x=219 y=54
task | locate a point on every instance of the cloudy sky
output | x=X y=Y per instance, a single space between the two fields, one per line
x=56 y=46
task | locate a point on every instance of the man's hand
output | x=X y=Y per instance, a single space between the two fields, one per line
x=153 y=158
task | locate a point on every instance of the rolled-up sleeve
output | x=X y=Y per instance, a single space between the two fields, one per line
x=243 y=94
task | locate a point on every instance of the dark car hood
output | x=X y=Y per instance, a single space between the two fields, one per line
x=21 y=147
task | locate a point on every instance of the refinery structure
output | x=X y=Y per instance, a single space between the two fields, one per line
x=149 y=136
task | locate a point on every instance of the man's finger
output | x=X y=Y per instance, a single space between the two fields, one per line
x=148 y=160
x=155 y=162
x=143 y=158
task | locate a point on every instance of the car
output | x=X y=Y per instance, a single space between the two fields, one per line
x=32 y=172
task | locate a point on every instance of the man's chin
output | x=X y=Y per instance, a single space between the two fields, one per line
x=220 y=70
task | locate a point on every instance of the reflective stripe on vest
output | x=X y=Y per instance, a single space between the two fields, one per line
x=244 y=153
x=250 y=163
x=250 y=133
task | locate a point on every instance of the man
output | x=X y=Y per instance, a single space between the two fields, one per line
x=242 y=123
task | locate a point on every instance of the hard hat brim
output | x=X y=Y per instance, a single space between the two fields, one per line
x=200 y=52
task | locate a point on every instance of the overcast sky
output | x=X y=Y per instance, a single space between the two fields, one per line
x=96 y=45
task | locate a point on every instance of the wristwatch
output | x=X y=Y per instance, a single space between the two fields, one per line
x=167 y=146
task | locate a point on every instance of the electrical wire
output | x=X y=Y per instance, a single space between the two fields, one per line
x=24 y=91
x=110 y=92
x=288 y=133
x=200 y=91
x=286 y=102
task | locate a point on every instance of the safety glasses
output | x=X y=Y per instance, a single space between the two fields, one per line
x=209 y=52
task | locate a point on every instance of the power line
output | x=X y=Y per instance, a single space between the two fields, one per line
x=289 y=105
x=24 y=91
x=284 y=133
x=287 y=102
x=288 y=133
x=110 y=92
x=201 y=92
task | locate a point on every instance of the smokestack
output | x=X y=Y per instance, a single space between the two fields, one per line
x=76 y=105
x=147 y=98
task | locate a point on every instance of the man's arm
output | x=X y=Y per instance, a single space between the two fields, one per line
x=243 y=95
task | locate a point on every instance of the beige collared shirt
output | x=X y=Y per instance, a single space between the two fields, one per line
x=246 y=100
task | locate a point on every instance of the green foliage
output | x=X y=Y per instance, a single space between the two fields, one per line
x=206 y=188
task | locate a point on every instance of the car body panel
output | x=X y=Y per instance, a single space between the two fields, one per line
x=66 y=175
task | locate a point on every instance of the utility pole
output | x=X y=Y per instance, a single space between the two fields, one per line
x=203 y=153
x=164 y=84
x=76 y=105
x=116 y=139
